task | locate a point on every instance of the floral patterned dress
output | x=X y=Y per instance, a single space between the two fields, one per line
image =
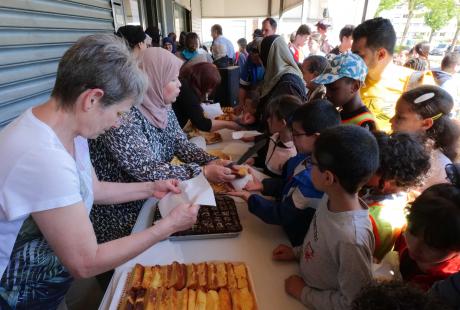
x=138 y=151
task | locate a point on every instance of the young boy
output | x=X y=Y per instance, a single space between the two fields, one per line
x=343 y=80
x=404 y=162
x=430 y=248
x=336 y=256
x=296 y=197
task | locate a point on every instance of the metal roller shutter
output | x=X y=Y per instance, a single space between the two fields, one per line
x=33 y=36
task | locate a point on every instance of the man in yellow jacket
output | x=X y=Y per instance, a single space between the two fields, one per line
x=374 y=40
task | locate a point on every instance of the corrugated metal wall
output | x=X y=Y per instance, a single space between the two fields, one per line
x=33 y=36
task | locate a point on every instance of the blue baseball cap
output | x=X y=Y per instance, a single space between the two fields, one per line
x=344 y=65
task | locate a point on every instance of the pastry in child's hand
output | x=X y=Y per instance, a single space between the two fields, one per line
x=240 y=171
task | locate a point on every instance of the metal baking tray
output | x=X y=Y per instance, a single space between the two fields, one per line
x=221 y=221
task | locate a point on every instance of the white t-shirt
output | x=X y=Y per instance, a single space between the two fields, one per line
x=36 y=174
x=277 y=155
x=437 y=173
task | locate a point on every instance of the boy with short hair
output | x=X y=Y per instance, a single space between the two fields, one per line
x=343 y=81
x=336 y=256
x=296 y=197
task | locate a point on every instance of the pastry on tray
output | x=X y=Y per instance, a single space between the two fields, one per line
x=221 y=221
x=207 y=285
x=211 y=137
x=229 y=114
x=221 y=188
x=220 y=154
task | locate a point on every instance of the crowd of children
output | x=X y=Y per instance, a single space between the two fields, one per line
x=347 y=194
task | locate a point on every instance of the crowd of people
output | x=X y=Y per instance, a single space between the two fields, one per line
x=360 y=153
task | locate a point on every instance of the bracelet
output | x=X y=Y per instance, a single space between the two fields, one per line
x=204 y=171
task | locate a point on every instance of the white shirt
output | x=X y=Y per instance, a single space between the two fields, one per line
x=277 y=156
x=437 y=173
x=36 y=174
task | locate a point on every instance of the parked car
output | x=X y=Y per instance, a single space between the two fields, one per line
x=439 y=50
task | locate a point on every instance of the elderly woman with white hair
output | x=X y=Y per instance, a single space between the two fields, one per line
x=48 y=185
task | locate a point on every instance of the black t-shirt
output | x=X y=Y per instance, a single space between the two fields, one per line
x=188 y=107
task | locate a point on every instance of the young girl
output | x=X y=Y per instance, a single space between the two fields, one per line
x=279 y=147
x=311 y=68
x=430 y=249
x=425 y=110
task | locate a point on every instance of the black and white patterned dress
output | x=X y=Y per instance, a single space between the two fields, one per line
x=138 y=151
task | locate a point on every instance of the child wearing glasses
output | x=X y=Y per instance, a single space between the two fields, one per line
x=336 y=255
x=404 y=162
x=296 y=197
x=343 y=80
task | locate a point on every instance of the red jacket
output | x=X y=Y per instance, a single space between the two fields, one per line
x=412 y=273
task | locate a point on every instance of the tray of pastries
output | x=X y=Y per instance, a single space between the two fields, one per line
x=221 y=221
x=201 y=286
x=229 y=114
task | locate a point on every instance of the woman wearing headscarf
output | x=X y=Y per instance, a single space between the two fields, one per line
x=282 y=74
x=168 y=44
x=144 y=145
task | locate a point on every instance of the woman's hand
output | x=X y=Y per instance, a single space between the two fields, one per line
x=284 y=253
x=242 y=194
x=181 y=218
x=218 y=174
x=161 y=188
x=255 y=185
x=294 y=286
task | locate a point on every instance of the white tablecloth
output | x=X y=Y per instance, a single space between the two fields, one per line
x=253 y=246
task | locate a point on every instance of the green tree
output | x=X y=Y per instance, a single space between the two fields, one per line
x=412 y=5
x=438 y=15
x=386 y=5
x=457 y=32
